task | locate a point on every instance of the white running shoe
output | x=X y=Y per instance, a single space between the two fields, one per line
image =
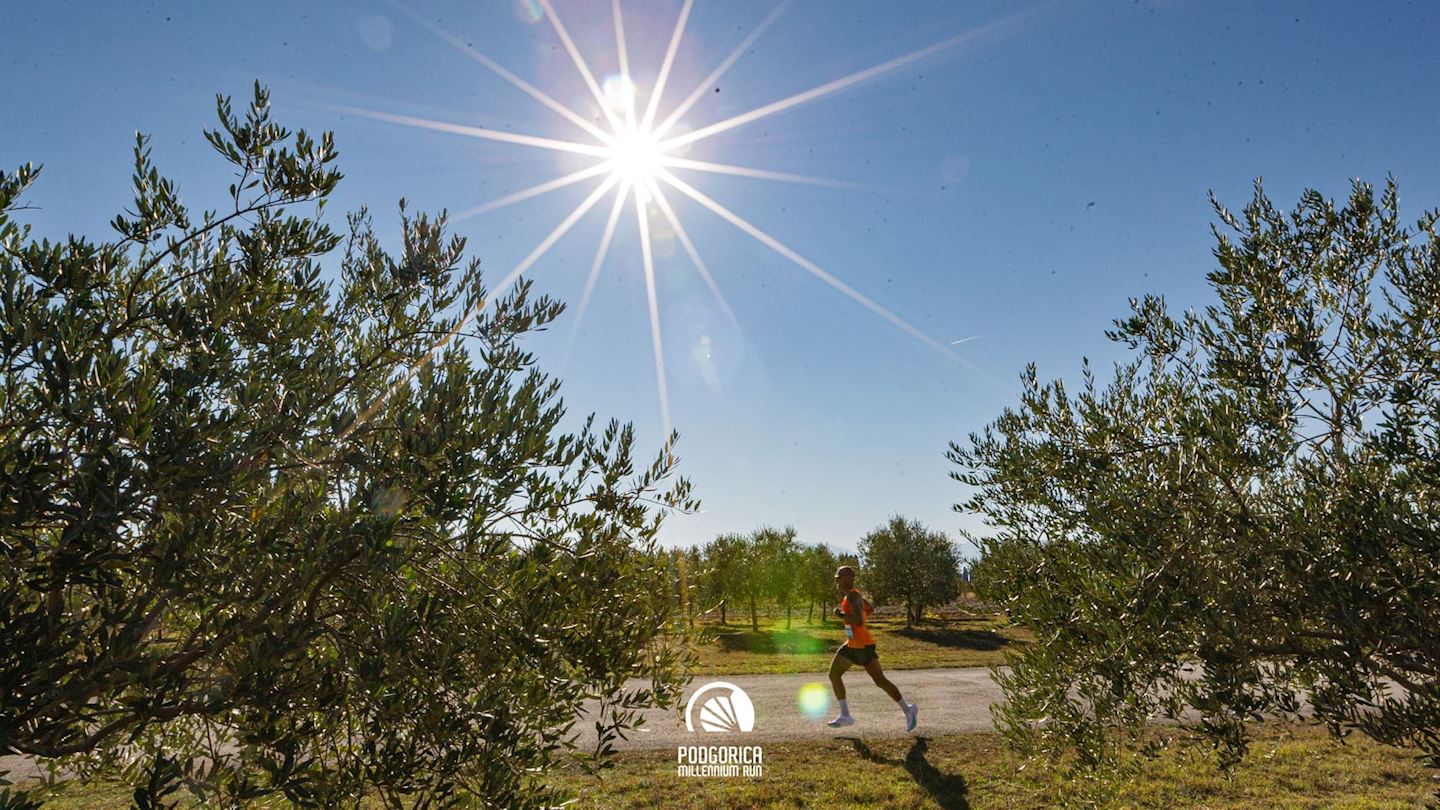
x=841 y=721
x=912 y=714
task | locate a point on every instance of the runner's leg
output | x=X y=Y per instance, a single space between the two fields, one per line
x=838 y=665
x=878 y=675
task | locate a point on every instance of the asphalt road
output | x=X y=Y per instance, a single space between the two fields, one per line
x=951 y=701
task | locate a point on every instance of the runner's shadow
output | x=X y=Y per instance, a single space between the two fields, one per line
x=949 y=791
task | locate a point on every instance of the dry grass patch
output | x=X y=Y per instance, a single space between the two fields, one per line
x=1288 y=767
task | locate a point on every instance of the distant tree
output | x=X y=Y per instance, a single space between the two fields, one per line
x=780 y=554
x=254 y=544
x=1248 y=513
x=753 y=584
x=672 y=562
x=725 y=559
x=817 y=578
x=692 y=581
x=910 y=564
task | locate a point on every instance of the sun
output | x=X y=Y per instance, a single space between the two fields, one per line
x=637 y=157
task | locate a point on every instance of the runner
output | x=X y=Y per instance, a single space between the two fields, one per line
x=859 y=648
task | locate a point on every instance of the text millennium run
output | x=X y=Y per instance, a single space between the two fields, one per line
x=719 y=760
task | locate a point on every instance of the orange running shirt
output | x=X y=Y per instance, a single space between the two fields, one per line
x=858 y=635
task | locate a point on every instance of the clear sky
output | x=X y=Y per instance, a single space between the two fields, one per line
x=1011 y=190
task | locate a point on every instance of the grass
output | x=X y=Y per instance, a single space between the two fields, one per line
x=1288 y=767
x=84 y=797
x=947 y=638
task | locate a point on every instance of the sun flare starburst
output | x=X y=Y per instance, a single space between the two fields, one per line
x=637 y=156
x=638 y=159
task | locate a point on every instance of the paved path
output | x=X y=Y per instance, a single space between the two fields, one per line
x=951 y=701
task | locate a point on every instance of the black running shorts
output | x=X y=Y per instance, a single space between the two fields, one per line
x=860 y=655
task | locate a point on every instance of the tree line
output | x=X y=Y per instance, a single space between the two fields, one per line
x=901 y=562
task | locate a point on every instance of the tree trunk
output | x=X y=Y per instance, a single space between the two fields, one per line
x=810 y=612
x=754 y=622
x=909 y=615
x=787 y=615
x=722 y=612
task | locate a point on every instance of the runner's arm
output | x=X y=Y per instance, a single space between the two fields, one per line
x=855 y=608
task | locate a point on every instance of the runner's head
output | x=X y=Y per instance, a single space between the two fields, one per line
x=845 y=578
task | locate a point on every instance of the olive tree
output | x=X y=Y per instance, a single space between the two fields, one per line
x=283 y=513
x=910 y=564
x=779 y=556
x=817 y=583
x=1245 y=519
x=724 y=570
x=752 y=583
x=692 y=581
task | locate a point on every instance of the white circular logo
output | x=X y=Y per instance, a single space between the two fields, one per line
x=726 y=709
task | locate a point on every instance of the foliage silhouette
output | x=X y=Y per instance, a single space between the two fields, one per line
x=1256 y=492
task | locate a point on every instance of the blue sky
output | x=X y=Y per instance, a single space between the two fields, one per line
x=1017 y=188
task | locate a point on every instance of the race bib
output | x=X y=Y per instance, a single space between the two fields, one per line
x=849 y=631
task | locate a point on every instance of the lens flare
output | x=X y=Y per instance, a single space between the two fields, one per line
x=703 y=358
x=813 y=700
x=619 y=93
x=529 y=11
